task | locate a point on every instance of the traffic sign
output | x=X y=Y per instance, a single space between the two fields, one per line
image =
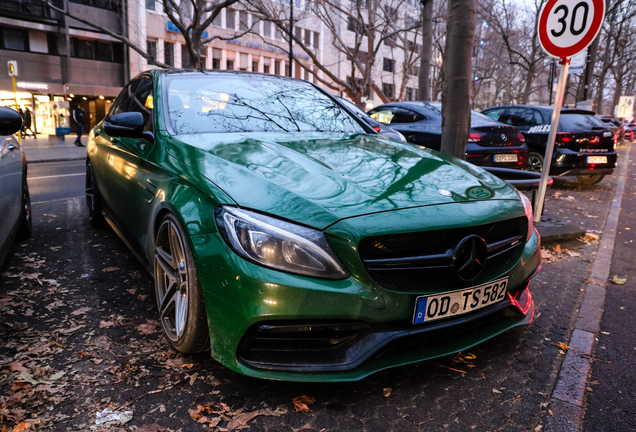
x=13 y=68
x=567 y=27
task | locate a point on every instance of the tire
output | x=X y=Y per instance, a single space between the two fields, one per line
x=178 y=290
x=26 y=225
x=93 y=199
x=535 y=162
x=588 y=180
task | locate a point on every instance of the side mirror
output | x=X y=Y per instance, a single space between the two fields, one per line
x=10 y=121
x=125 y=125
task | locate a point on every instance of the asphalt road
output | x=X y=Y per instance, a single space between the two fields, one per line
x=50 y=181
x=79 y=330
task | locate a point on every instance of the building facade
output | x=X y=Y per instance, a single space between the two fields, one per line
x=61 y=61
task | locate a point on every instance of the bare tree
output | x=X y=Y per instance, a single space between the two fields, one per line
x=456 y=88
x=358 y=30
x=424 y=85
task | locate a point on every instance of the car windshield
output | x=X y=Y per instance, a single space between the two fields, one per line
x=251 y=103
x=579 y=122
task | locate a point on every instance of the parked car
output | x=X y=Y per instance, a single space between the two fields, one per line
x=615 y=125
x=584 y=145
x=490 y=144
x=630 y=130
x=287 y=237
x=380 y=128
x=15 y=203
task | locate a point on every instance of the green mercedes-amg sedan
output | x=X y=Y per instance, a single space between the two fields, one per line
x=293 y=241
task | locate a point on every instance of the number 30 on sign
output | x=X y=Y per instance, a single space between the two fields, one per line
x=567 y=27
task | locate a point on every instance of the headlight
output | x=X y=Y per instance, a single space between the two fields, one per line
x=278 y=244
x=527 y=206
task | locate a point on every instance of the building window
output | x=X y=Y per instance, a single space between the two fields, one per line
x=355 y=25
x=414 y=71
x=217 y=54
x=216 y=63
x=230 y=19
x=185 y=56
x=388 y=65
x=230 y=65
x=411 y=94
x=266 y=68
x=83 y=49
x=97 y=50
x=255 y=66
x=104 y=51
x=267 y=29
x=316 y=42
x=15 y=39
x=218 y=20
x=150 y=5
x=276 y=67
x=388 y=90
x=51 y=41
x=112 y=5
x=151 y=49
x=168 y=53
x=243 y=21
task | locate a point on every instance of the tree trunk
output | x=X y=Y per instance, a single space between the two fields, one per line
x=424 y=90
x=456 y=86
x=601 y=81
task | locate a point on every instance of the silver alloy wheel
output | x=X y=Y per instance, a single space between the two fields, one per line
x=171 y=280
x=536 y=164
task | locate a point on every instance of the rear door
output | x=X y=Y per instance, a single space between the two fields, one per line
x=416 y=128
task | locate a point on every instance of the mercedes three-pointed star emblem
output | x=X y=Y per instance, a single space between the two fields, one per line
x=470 y=257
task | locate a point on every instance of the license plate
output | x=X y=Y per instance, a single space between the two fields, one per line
x=597 y=159
x=506 y=157
x=431 y=308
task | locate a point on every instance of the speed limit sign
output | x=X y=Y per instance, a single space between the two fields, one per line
x=567 y=27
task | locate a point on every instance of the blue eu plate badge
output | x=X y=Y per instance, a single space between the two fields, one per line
x=420 y=310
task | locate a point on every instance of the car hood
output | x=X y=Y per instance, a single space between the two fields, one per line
x=320 y=178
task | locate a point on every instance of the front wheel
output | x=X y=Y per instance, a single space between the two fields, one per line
x=26 y=227
x=588 y=180
x=93 y=199
x=178 y=291
x=535 y=162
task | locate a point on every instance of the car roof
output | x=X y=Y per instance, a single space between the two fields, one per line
x=547 y=108
x=216 y=72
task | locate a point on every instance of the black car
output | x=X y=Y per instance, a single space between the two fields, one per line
x=584 y=145
x=615 y=125
x=15 y=204
x=490 y=144
x=380 y=128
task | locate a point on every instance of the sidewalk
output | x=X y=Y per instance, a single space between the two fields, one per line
x=45 y=150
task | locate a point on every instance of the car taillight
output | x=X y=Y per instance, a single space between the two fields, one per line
x=376 y=128
x=564 y=138
x=474 y=137
x=522 y=138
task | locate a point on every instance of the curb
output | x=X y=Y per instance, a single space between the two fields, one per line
x=568 y=395
x=31 y=161
x=552 y=230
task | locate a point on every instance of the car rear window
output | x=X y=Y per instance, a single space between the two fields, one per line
x=251 y=103
x=579 y=122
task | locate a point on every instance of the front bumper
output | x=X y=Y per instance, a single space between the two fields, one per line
x=566 y=162
x=241 y=298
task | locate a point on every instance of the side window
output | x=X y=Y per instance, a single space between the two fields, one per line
x=142 y=101
x=384 y=115
x=403 y=115
x=521 y=117
x=538 y=118
x=122 y=102
x=495 y=113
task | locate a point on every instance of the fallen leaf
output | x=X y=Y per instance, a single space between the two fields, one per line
x=550 y=412
x=563 y=346
x=545 y=254
x=618 y=281
x=17 y=366
x=132 y=290
x=301 y=403
x=495 y=391
x=106 y=324
x=22 y=426
x=574 y=254
x=110 y=269
x=193 y=378
x=589 y=389
x=557 y=249
x=149 y=328
x=387 y=391
x=81 y=310
x=605 y=333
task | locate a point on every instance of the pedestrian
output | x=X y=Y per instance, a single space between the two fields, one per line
x=78 y=118
x=26 y=124
x=22 y=129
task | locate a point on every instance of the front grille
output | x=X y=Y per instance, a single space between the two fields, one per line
x=423 y=261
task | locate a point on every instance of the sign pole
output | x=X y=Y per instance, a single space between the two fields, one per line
x=15 y=96
x=547 y=159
